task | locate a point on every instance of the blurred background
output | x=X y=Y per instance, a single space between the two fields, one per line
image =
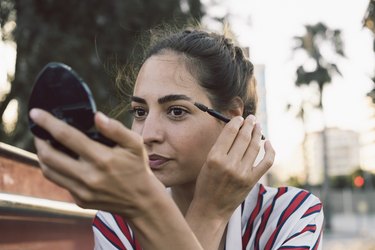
x=314 y=63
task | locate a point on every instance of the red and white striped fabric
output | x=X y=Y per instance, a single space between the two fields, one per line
x=269 y=218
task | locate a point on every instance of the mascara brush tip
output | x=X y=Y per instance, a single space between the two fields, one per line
x=201 y=106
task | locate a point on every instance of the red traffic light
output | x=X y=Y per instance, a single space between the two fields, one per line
x=358 y=181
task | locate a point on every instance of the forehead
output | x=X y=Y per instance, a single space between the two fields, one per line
x=166 y=74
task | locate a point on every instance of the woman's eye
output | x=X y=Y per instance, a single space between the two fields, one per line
x=138 y=112
x=177 y=112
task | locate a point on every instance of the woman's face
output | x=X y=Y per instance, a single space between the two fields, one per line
x=177 y=135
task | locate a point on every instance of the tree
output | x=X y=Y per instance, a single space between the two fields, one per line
x=321 y=75
x=369 y=22
x=7 y=14
x=90 y=36
x=7 y=20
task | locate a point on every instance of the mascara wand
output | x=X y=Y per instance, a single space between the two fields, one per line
x=215 y=114
x=212 y=112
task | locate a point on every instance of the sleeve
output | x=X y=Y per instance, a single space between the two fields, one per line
x=283 y=218
x=307 y=234
x=300 y=224
x=112 y=232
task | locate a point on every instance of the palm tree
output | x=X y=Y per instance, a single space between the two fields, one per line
x=369 y=22
x=311 y=44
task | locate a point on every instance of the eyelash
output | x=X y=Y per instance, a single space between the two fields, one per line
x=179 y=108
x=134 y=111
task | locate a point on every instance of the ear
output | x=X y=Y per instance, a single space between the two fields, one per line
x=236 y=107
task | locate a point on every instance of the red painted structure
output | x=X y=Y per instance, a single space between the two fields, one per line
x=34 y=212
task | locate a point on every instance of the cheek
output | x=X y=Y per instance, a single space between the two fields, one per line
x=195 y=146
x=137 y=128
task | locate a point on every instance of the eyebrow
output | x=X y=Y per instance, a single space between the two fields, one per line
x=164 y=99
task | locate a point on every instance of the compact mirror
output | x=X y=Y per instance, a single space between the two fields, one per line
x=61 y=92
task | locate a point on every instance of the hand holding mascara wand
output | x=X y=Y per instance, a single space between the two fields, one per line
x=216 y=114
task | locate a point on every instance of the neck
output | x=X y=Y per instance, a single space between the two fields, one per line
x=183 y=195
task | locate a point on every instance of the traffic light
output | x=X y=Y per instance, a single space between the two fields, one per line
x=358 y=181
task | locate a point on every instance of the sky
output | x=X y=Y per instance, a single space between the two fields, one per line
x=267 y=27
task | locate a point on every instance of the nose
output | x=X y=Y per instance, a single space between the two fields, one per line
x=153 y=129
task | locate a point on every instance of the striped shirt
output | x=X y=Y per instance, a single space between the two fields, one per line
x=269 y=218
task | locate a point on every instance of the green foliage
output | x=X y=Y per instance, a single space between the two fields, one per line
x=341 y=181
x=7 y=14
x=371 y=94
x=294 y=182
x=93 y=37
x=369 y=22
x=311 y=43
x=369 y=18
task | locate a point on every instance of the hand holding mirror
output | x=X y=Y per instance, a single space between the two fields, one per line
x=61 y=92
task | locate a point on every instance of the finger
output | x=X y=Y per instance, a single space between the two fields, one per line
x=78 y=191
x=51 y=164
x=117 y=132
x=243 y=139
x=227 y=136
x=67 y=135
x=56 y=160
x=254 y=146
x=57 y=177
x=63 y=171
x=267 y=161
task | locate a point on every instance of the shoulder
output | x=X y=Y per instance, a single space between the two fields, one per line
x=278 y=199
x=273 y=216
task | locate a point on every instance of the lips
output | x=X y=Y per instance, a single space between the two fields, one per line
x=156 y=161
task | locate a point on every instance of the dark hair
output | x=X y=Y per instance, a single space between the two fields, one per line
x=219 y=66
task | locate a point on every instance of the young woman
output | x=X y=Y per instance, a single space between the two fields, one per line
x=213 y=200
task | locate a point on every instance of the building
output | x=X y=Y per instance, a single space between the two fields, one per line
x=261 y=115
x=259 y=73
x=367 y=139
x=343 y=153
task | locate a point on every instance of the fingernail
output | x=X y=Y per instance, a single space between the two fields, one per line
x=103 y=118
x=257 y=125
x=251 y=118
x=34 y=113
x=240 y=118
